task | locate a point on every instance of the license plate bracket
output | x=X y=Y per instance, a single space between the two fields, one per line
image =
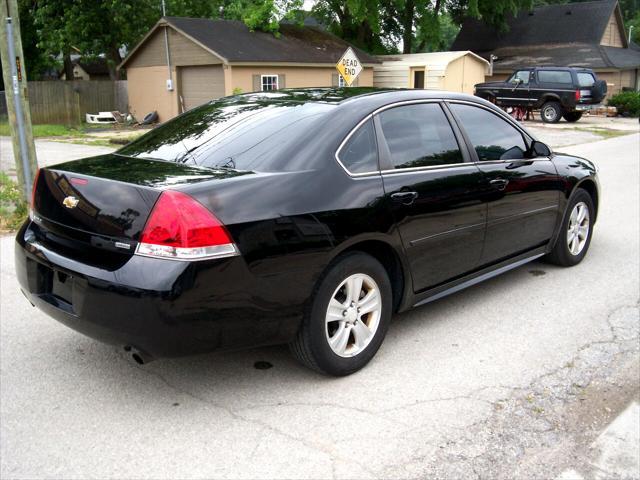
x=62 y=286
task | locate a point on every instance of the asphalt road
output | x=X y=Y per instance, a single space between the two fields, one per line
x=516 y=378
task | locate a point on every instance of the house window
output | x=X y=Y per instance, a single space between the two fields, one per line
x=341 y=82
x=269 y=82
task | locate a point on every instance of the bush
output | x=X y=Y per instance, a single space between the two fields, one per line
x=13 y=208
x=627 y=103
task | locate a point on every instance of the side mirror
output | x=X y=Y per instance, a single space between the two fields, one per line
x=540 y=149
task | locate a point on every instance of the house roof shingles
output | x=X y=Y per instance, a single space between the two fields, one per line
x=543 y=25
x=295 y=44
x=550 y=36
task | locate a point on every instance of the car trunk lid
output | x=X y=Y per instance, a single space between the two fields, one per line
x=96 y=208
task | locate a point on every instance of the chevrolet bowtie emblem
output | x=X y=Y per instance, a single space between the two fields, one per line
x=70 y=202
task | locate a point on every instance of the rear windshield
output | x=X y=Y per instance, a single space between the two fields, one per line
x=244 y=133
x=586 y=79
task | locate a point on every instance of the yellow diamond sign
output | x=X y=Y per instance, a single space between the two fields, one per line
x=349 y=66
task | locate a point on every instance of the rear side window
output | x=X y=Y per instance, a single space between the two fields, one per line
x=419 y=136
x=492 y=137
x=586 y=79
x=554 y=76
x=360 y=153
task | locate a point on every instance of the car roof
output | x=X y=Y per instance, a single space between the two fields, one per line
x=551 y=67
x=350 y=95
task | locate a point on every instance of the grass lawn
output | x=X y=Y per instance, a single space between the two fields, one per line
x=53 y=130
x=604 y=132
x=13 y=208
x=81 y=134
x=46 y=130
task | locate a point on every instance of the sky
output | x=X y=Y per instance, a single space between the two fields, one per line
x=308 y=4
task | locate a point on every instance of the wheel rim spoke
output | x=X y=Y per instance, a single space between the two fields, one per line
x=361 y=334
x=582 y=232
x=353 y=287
x=334 y=312
x=369 y=302
x=340 y=338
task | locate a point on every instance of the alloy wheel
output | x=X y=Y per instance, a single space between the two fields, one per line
x=353 y=315
x=578 y=228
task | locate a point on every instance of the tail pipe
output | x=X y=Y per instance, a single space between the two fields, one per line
x=137 y=355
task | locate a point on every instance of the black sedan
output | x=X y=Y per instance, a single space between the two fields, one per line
x=305 y=217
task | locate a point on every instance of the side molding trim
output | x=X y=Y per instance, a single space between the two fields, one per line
x=478 y=279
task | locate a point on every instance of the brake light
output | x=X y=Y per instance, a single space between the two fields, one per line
x=180 y=228
x=577 y=95
x=33 y=193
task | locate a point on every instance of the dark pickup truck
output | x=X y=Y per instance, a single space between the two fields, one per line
x=556 y=91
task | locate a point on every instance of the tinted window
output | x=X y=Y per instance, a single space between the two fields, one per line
x=419 y=136
x=554 y=76
x=523 y=75
x=586 y=79
x=243 y=132
x=492 y=137
x=360 y=153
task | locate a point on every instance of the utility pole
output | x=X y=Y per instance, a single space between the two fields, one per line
x=16 y=93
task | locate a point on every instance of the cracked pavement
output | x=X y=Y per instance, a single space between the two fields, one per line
x=514 y=378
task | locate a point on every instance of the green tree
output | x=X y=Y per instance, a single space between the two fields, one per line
x=108 y=27
x=418 y=25
x=635 y=23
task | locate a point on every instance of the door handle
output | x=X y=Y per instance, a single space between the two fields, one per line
x=499 y=183
x=405 y=198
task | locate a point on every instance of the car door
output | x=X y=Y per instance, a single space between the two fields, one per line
x=434 y=191
x=522 y=193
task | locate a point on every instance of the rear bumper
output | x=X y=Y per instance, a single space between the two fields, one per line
x=163 y=308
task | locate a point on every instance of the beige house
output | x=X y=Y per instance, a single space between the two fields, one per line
x=452 y=71
x=584 y=34
x=184 y=62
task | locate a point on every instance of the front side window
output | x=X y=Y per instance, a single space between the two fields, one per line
x=269 y=82
x=555 y=76
x=586 y=79
x=523 y=77
x=492 y=137
x=419 y=136
x=360 y=153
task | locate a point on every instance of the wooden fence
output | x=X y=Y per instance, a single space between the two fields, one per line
x=67 y=102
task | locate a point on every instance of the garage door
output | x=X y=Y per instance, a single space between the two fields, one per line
x=199 y=85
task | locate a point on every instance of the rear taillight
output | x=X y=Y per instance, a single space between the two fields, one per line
x=577 y=95
x=180 y=228
x=32 y=206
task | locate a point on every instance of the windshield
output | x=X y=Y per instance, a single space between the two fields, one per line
x=243 y=132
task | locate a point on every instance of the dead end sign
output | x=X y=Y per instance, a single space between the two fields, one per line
x=349 y=66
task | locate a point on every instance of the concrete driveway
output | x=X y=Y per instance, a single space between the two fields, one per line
x=515 y=378
x=49 y=152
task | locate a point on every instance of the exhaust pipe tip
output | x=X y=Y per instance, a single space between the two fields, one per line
x=138 y=356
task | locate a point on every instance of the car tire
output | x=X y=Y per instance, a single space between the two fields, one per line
x=335 y=338
x=572 y=117
x=551 y=112
x=575 y=233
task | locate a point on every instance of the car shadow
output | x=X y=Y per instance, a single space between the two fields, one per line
x=238 y=379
